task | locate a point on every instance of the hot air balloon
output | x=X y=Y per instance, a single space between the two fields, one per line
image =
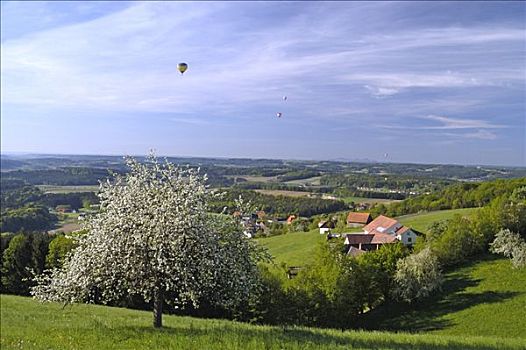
x=278 y=114
x=386 y=155
x=284 y=98
x=182 y=67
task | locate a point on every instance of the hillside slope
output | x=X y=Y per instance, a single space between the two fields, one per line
x=26 y=324
x=486 y=297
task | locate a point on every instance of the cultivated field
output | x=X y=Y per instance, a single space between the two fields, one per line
x=368 y=200
x=27 y=324
x=311 y=181
x=250 y=178
x=284 y=193
x=68 y=189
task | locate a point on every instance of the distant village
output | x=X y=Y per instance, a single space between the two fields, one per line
x=374 y=234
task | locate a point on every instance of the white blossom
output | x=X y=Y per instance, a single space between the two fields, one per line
x=153 y=233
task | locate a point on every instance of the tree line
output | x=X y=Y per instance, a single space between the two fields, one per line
x=455 y=196
x=280 y=206
x=25 y=207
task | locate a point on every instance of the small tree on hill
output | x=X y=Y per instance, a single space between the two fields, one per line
x=512 y=246
x=417 y=276
x=154 y=237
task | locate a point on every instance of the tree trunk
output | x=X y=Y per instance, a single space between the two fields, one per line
x=158 y=300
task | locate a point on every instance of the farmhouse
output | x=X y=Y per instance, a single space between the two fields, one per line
x=382 y=230
x=384 y=224
x=358 y=219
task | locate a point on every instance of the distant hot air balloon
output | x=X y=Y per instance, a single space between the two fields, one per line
x=386 y=155
x=182 y=67
x=278 y=114
x=284 y=98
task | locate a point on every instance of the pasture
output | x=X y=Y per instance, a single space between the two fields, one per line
x=484 y=297
x=27 y=324
x=421 y=221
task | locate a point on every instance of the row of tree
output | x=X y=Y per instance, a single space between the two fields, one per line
x=26 y=254
x=456 y=240
x=155 y=244
x=279 y=206
x=459 y=195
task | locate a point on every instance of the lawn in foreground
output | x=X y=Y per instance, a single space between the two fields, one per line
x=27 y=324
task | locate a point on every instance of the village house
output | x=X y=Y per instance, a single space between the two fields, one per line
x=382 y=230
x=325 y=226
x=358 y=219
x=63 y=209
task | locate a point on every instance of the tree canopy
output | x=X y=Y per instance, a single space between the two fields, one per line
x=153 y=237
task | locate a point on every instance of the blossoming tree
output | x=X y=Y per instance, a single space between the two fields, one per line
x=153 y=236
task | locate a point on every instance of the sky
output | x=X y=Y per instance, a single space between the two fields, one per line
x=419 y=82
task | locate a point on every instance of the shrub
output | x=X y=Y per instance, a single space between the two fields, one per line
x=511 y=245
x=417 y=276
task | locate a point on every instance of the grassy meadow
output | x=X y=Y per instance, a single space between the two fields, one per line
x=296 y=248
x=485 y=297
x=421 y=221
x=27 y=324
x=293 y=248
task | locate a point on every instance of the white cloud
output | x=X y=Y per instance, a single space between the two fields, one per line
x=481 y=134
x=458 y=123
x=126 y=61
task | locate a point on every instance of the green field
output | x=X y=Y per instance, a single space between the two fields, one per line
x=367 y=200
x=284 y=193
x=311 y=181
x=421 y=221
x=27 y=324
x=68 y=189
x=486 y=297
x=293 y=248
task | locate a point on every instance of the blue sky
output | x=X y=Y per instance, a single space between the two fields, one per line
x=430 y=82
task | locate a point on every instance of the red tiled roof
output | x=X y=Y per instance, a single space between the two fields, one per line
x=381 y=238
x=381 y=221
x=358 y=218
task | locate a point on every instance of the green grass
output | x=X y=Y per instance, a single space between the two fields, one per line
x=284 y=193
x=486 y=297
x=27 y=324
x=348 y=200
x=295 y=248
x=421 y=221
x=68 y=189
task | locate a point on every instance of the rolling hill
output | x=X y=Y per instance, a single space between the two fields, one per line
x=27 y=324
